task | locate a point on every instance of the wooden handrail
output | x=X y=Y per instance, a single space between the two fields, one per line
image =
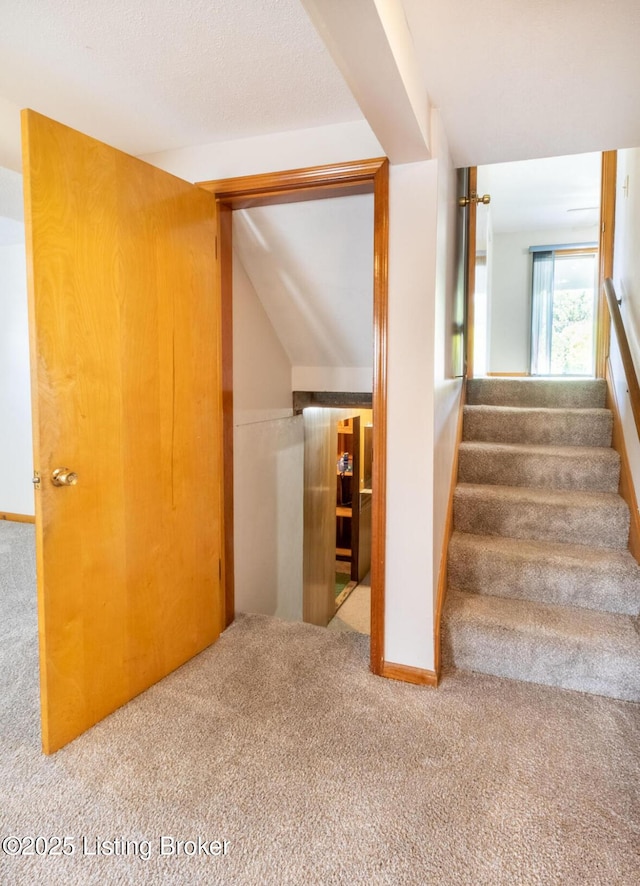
x=625 y=351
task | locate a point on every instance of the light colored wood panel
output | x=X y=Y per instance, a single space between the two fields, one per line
x=448 y=531
x=407 y=674
x=626 y=487
x=319 y=551
x=605 y=248
x=508 y=374
x=125 y=340
x=17 y=518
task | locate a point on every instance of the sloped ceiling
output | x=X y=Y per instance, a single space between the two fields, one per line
x=311 y=265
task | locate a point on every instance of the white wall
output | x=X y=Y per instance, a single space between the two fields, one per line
x=423 y=400
x=268 y=153
x=16 y=490
x=268 y=464
x=411 y=354
x=626 y=277
x=510 y=293
x=410 y=407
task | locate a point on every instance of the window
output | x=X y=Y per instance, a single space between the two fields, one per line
x=563 y=311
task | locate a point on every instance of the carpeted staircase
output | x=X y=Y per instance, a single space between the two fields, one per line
x=541 y=585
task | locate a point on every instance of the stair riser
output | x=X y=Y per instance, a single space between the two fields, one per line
x=561 y=429
x=606 y=528
x=503 y=653
x=576 y=394
x=485 y=572
x=540 y=470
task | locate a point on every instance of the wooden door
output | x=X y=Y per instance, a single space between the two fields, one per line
x=125 y=349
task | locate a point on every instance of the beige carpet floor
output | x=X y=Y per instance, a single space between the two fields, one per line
x=279 y=740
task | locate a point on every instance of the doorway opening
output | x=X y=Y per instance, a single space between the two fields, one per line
x=537 y=257
x=360 y=177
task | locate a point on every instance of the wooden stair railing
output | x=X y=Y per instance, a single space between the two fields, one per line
x=625 y=352
x=627 y=487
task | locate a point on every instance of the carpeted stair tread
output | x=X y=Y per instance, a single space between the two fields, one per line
x=538 y=425
x=546 y=572
x=557 y=467
x=600 y=519
x=573 y=393
x=571 y=648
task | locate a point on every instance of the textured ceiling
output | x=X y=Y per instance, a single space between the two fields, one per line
x=156 y=74
x=311 y=265
x=516 y=79
x=512 y=80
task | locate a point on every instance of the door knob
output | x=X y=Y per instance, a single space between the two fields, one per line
x=64 y=477
x=474 y=198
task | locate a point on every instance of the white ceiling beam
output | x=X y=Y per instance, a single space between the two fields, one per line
x=372 y=46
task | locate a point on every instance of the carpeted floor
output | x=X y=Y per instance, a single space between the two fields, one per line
x=280 y=741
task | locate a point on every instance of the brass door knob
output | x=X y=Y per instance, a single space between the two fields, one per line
x=474 y=198
x=64 y=477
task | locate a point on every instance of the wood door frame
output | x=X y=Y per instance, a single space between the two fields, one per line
x=605 y=254
x=293 y=186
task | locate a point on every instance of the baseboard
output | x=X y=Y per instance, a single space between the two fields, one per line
x=407 y=674
x=17 y=518
x=448 y=532
x=626 y=488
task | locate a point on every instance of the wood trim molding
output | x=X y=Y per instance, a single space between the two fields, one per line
x=297 y=185
x=380 y=333
x=407 y=674
x=631 y=378
x=626 y=487
x=17 y=518
x=443 y=574
x=313 y=183
x=509 y=374
x=225 y=245
x=448 y=532
x=605 y=252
